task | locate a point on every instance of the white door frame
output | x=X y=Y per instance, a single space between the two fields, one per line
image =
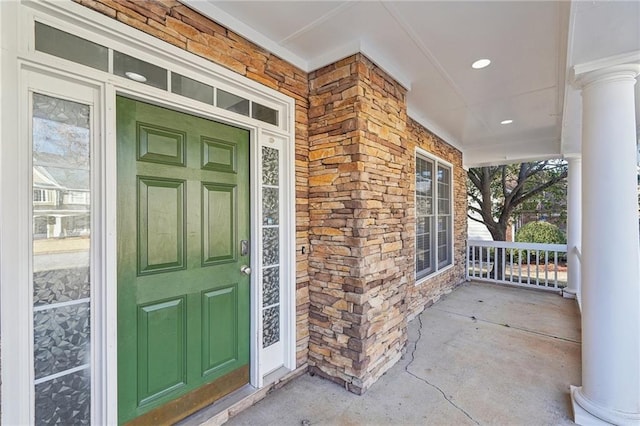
x=16 y=39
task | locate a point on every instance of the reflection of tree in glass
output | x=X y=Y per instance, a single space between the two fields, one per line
x=60 y=132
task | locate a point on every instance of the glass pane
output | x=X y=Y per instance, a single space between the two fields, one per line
x=271 y=247
x=263 y=113
x=270 y=166
x=64 y=400
x=444 y=190
x=67 y=46
x=232 y=102
x=443 y=175
x=424 y=241
x=191 y=88
x=271 y=326
x=137 y=70
x=61 y=338
x=424 y=177
x=61 y=243
x=270 y=211
x=424 y=206
x=444 y=206
x=270 y=286
x=61 y=285
x=444 y=241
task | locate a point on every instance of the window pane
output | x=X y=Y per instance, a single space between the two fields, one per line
x=424 y=177
x=232 y=102
x=444 y=190
x=67 y=46
x=424 y=253
x=263 y=113
x=61 y=242
x=135 y=69
x=190 y=88
x=444 y=241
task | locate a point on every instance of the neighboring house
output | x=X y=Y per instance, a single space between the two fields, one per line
x=477 y=230
x=61 y=202
x=187 y=210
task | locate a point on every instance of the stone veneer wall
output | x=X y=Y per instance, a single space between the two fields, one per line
x=355 y=170
x=175 y=23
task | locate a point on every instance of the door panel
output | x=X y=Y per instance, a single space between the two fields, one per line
x=183 y=304
x=219 y=231
x=160 y=145
x=219 y=155
x=161 y=349
x=219 y=325
x=161 y=225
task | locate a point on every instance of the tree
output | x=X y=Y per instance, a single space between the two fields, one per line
x=496 y=192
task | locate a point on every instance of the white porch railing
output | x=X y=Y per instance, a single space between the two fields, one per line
x=540 y=266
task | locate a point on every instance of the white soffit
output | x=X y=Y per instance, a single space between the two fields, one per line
x=602 y=33
x=428 y=46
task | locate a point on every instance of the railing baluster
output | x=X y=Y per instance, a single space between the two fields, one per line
x=473 y=253
x=480 y=256
x=546 y=268
x=555 y=271
x=467 y=261
x=488 y=262
x=519 y=266
x=504 y=263
x=537 y=267
x=529 y=266
x=511 y=265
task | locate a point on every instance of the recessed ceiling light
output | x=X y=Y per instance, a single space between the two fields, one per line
x=506 y=122
x=135 y=76
x=480 y=63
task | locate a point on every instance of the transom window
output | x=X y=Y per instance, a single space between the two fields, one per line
x=73 y=48
x=434 y=225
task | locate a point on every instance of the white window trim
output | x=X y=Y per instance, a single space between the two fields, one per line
x=16 y=36
x=419 y=152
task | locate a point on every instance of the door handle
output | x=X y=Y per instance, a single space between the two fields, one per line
x=245 y=270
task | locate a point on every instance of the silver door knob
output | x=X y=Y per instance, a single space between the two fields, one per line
x=245 y=270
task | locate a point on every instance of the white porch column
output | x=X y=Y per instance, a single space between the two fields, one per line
x=610 y=389
x=574 y=226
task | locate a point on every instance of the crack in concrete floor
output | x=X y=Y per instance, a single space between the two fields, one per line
x=444 y=395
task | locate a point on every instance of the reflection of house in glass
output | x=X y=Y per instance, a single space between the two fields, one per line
x=61 y=173
x=60 y=201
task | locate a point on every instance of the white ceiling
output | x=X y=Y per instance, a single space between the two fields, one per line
x=428 y=46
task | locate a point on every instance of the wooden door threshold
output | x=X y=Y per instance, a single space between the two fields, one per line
x=222 y=410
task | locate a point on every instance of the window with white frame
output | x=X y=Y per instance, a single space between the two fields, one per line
x=434 y=224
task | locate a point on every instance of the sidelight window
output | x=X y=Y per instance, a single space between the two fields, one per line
x=61 y=246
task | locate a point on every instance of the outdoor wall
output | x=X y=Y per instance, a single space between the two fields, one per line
x=175 y=23
x=355 y=174
x=428 y=291
x=362 y=221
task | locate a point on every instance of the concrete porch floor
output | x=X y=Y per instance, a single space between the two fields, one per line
x=485 y=354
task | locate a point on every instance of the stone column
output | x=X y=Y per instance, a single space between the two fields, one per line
x=574 y=226
x=359 y=184
x=610 y=389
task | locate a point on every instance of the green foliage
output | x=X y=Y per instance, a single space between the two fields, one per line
x=540 y=232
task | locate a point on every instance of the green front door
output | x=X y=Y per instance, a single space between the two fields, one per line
x=183 y=302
